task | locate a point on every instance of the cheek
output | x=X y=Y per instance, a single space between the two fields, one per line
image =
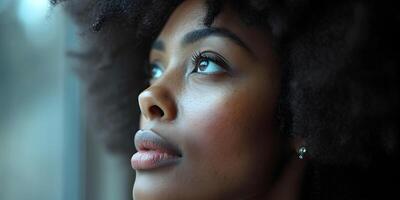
x=230 y=135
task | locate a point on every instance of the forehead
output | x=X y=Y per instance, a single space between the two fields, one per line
x=190 y=15
x=187 y=17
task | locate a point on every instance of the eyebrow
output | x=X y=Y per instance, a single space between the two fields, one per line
x=158 y=45
x=200 y=34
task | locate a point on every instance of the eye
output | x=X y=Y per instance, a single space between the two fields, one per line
x=207 y=66
x=155 y=71
x=208 y=63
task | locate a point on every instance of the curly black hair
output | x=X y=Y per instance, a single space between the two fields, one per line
x=340 y=62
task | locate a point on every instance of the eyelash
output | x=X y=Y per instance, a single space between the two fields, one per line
x=197 y=57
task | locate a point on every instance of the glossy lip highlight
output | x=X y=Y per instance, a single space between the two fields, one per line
x=153 y=151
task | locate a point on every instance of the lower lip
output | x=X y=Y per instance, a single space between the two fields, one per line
x=146 y=160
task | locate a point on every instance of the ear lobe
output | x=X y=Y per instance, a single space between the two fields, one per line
x=297 y=142
x=299 y=147
x=289 y=184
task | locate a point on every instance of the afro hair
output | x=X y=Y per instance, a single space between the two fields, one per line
x=340 y=62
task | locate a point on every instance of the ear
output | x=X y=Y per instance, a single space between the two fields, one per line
x=298 y=146
x=289 y=184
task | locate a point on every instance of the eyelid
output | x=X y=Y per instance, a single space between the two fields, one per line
x=158 y=63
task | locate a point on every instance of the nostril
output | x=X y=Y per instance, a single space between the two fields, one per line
x=156 y=111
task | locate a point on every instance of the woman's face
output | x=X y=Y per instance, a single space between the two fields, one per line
x=212 y=99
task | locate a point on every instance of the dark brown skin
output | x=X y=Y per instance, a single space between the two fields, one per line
x=221 y=119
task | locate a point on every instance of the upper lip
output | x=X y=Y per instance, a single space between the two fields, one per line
x=148 y=140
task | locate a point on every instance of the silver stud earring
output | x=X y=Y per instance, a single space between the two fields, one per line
x=302 y=152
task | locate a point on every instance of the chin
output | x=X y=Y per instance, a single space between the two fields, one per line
x=148 y=187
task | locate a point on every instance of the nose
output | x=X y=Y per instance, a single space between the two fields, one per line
x=157 y=103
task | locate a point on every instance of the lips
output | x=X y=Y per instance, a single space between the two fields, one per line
x=153 y=151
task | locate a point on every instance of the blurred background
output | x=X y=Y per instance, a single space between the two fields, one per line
x=46 y=150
